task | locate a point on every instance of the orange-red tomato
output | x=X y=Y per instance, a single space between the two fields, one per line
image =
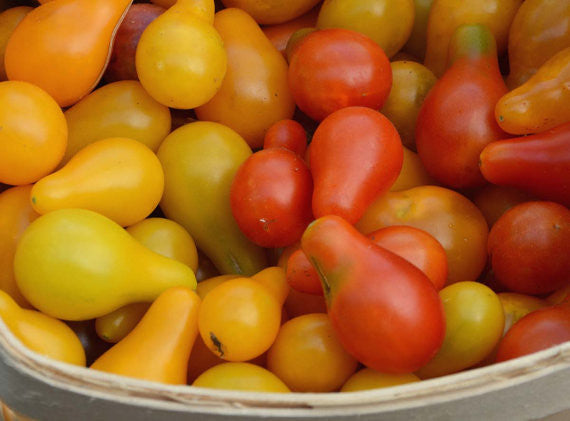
x=287 y=134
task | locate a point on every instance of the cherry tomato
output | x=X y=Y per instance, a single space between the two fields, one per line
x=538 y=330
x=529 y=248
x=288 y=134
x=301 y=275
x=241 y=376
x=271 y=197
x=336 y=68
x=308 y=357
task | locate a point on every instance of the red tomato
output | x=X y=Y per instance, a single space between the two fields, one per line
x=301 y=275
x=417 y=247
x=529 y=248
x=271 y=197
x=536 y=331
x=287 y=134
x=356 y=154
x=336 y=68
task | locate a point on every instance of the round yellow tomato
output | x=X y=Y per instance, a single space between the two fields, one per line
x=388 y=22
x=271 y=12
x=240 y=376
x=239 y=319
x=368 y=378
x=308 y=357
x=168 y=238
x=180 y=60
x=33 y=136
x=474 y=325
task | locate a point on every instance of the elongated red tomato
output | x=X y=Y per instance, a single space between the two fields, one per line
x=271 y=197
x=336 y=68
x=356 y=154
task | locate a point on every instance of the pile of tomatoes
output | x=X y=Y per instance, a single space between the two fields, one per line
x=302 y=195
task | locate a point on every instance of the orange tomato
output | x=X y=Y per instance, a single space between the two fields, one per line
x=368 y=378
x=308 y=357
x=280 y=34
x=34 y=133
x=241 y=376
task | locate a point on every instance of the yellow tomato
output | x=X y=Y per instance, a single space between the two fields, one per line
x=368 y=378
x=388 y=22
x=275 y=280
x=411 y=82
x=16 y=213
x=413 y=173
x=119 y=178
x=416 y=45
x=474 y=325
x=308 y=357
x=168 y=238
x=180 y=59
x=120 y=109
x=239 y=319
x=241 y=376
x=33 y=136
x=116 y=325
x=516 y=306
x=204 y=287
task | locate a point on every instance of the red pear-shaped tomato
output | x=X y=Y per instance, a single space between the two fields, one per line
x=356 y=154
x=385 y=311
x=457 y=119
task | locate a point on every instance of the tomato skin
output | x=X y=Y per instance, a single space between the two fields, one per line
x=539 y=164
x=356 y=154
x=280 y=34
x=384 y=310
x=493 y=201
x=538 y=330
x=301 y=275
x=337 y=68
x=271 y=197
x=287 y=134
x=417 y=247
x=457 y=118
x=529 y=248
x=308 y=357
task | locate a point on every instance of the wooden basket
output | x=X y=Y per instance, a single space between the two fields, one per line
x=531 y=387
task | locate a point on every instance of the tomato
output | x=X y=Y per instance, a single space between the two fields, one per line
x=538 y=330
x=239 y=319
x=116 y=325
x=301 y=275
x=516 y=306
x=529 y=247
x=456 y=120
x=385 y=311
x=356 y=155
x=241 y=376
x=412 y=174
x=120 y=109
x=168 y=238
x=474 y=325
x=417 y=247
x=271 y=197
x=299 y=303
x=411 y=84
x=388 y=23
x=416 y=45
x=16 y=214
x=30 y=115
x=449 y=217
x=336 y=68
x=308 y=357
x=9 y=20
x=287 y=134
x=367 y=379
x=494 y=201
x=280 y=34
x=271 y=12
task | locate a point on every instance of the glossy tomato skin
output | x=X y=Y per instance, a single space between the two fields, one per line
x=529 y=248
x=271 y=197
x=336 y=68
x=538 y=330
x=457 y=120
x=384 y=310
x=356 y=154
x=288 y=134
